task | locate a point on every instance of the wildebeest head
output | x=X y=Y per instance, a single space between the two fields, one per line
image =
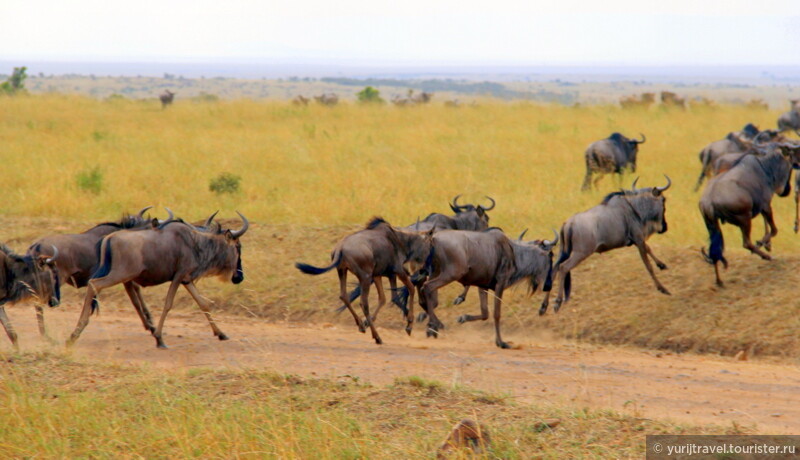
x=649 y=205
x=233 y=259
x=469 y=217
x=416 y=247
x=749 y=131
x=534 y=260
x=23 y=276
x=629 y=146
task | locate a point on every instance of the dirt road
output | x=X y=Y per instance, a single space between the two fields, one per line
x=686 y=388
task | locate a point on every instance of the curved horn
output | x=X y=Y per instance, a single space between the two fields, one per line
x=245 y=226
x=140 y=215
x=458 y=207
x=522 y=234
x=53 y=257
x=554 y=242
x=664 y=188
x=633 y=185
x=210 y=219
x=169 y=219
x=416 y=226
x=490 y=208
x=644 y=139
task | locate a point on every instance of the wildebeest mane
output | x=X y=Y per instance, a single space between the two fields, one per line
x=619 y=140
x=127 y=221
x=374 y=222
x=611 y=195
x=209 y=251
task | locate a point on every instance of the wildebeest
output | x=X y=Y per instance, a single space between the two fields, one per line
x=634 y=101
x=734 y=142
x=376 y=251
x=624 y=218
x=77 y=256
x=174 y=252
x=329 y=99
x=300 y=100
x=466 y=217
x=489 y=260
x=670 y=99
x=762 y=144
x=611 y=155
x=412 y=99
x=166 y=98
x=739 y=194
x=790 y=120
x=25 y=276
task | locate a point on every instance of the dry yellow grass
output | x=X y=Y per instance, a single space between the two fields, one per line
x=310 y=175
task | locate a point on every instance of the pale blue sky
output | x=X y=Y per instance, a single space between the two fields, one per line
x=612 y=32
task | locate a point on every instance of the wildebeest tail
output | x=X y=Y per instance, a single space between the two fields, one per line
x=716 y=246
x=566 y=251
x=312 y=270
x=104 y=261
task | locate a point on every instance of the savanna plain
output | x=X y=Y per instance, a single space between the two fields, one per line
x=307 y=177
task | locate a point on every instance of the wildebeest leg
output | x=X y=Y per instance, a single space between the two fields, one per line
x=423 y=315
x=12 y=334
x=498 y=304
x=346 y=298
x=146 y=322
x=744 y=224
x=484 y=298
x=796 y=208
x=461 y=297
x=770 y=230
x=40 y=322
x=143 y=305
x=431 y=292
x=643 y=251
x=205 y=306
x=410 y=312
x=92 y=289
x=700 y=179
x=173 y=289
x=597 y=180
x=365 y=282
x=587 y=181
x=661 y=265
x=378 y=282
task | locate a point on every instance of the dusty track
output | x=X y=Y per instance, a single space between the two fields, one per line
x=687 y=388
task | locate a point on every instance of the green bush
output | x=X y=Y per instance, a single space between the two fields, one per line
x=225 y=183
x=90 y=180
x=370 y=95
x=15 y=83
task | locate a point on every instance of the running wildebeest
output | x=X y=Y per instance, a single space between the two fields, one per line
x=670 y=99
x=329 y=99
x=734 y=142
x=466 y=217
x=166 y=98
x=77 y=256
x=790 y=120
x=624 y=218
x=26 y=276
x=174 y=252
x=611 y=155
x=489 y=260
x=301 y=100
x=376 y=251
x=763 y=143
x=739 y=194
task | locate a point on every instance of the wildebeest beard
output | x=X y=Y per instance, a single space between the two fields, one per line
x=16 y=284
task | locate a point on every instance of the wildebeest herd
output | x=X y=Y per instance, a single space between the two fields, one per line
x=744 y=171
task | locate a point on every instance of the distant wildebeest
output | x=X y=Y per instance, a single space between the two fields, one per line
x=741 y=193
x=634 y=101
x=412 y=99
x=624 y=218
x=790 y=120
x=670 y=99
x=489 y=260
x=25 y=276
x=757 y=104
x=376 y=251
x=611 y=155
x=166 y=98
x=734 y=142
x=329 y=99
x=301 y=100
x=174 y=252
x=77 y=256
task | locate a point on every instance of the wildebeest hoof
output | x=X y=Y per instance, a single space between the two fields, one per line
x=366 y=322
x=378 y=341
x=223 y=337
x=408 y=330
x=432 y=333
x=661 y=266
x=504 y=345
x=766 y=256
x=542 y=310
x=162 y=346
x=422 y=317
x=462 y=319
x=556 y=307
x=663 y=290
x=458 y=300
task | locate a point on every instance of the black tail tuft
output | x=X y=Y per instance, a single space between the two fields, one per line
x=567 y=285
x=95 y=306
x=400 y=298
x=105 y=266
x=312 y=270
